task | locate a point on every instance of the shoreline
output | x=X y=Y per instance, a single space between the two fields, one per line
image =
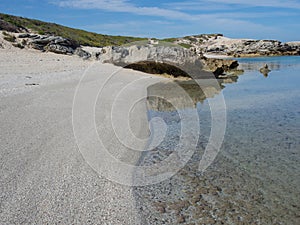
x=242 y=56
x=42 y=166
x=227 y=191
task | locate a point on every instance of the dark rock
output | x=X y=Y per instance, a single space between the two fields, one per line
x=60 y=49
x=81 y=53
x=265 y=70
x=34 y=36
x=32 y=84
x=54 y=44
x=157 y=68
x=37 y=46
x=42 y=40
x=216 y=65
x=233 y=64
x=219 y=71
x=97 y=54
x=24 y=36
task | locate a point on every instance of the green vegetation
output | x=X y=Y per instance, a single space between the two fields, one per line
x=170 y=39
x=191 y=38
x=18 y=45
x=20 y=24
x=80 y=36
x=185 y=45
x=9 y=37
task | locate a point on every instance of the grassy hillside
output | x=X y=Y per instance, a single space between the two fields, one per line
x=14 y=23
x=190 y=41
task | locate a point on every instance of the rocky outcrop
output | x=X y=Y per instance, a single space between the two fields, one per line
x=54 y=44
x=162 y=59
x=124 y=55
x=262 y=48
x=218 y=44
x=219 y=66
x=81 y=53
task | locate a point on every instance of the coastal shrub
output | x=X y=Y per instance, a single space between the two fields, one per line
x=40 y=32
x=79 y=36
x=190 y=38
x=8 y=26
x=24 y=42
x=18 y=45
x=170 y=39
x=185 y=45
x=8 y=37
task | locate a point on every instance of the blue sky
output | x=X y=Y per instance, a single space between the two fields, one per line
x=258 y=19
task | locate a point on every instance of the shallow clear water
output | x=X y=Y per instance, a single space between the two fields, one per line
x=255 y=177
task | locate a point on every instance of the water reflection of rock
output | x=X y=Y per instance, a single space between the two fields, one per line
x=256 y=66
x=230 y=80
x=161 y=95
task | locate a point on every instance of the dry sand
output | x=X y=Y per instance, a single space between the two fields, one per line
x=44 y=177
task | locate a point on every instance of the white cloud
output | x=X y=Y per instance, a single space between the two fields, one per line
x=124 y=6
x=243 y=15
x=222 y=16
x=128 y=28
x=260 y=3
x=175 y=13
x=229 y=4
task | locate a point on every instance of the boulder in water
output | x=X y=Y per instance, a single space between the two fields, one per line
x=265 y=70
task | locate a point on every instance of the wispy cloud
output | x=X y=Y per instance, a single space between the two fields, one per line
x=260 y=3
x=124 y=6
x=127 y=28
x=177 y=9
x=232 y=4
x=231 y=17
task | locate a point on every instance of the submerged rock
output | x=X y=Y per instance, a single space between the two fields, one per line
x=265 y=70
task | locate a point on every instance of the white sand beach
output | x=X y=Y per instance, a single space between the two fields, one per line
x=45 y=178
